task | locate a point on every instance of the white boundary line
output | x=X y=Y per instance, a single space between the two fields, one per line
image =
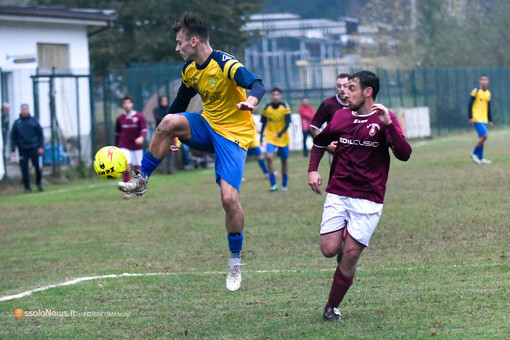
x=114 y=276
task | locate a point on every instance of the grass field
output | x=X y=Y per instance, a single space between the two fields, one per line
x=438 y=263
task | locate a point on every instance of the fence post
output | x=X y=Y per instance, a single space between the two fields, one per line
x=35 y=90
x=78 y=117
x=52 y=122
x=92 y=115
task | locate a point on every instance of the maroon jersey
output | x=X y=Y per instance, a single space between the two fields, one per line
x=361 y=160
x=129 y=128
x=326 y=111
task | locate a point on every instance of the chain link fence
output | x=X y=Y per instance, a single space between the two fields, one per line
x=445 y=91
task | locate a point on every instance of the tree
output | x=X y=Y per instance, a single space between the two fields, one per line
x=143 y=30
x=475 y=34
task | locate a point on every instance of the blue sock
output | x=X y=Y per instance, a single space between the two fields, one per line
x=235 y=243
x=149 y=163
x=262 y=164
x=475 y=151
x=272 y=179
x=285 y=177
x=480 y=152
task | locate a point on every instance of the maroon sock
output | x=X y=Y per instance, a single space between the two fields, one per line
x=340 y=286
x=126 y=176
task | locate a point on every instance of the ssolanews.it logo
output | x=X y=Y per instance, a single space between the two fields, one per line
x=18 y=313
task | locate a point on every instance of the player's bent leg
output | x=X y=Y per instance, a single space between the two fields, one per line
x=285 y=173
x=331 y=243
x=173 y=125
x=272 y=176
x=352 y=250
x=343 y=278
x=234 y=222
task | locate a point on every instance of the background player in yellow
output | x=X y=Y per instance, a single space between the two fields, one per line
x=254 y=150
x=479 y=112
x=225 y=127
x=276 y=116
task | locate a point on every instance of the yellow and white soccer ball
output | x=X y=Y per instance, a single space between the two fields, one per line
x=110 y=162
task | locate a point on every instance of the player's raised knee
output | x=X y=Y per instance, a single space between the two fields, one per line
x=329 y=250
x=170 y=122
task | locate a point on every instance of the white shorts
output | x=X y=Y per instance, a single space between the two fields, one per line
x=134 y=157
x=361 y=216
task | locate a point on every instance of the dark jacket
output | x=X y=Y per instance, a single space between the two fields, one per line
x=26 y=134
x=5 y=123
x=159 y=113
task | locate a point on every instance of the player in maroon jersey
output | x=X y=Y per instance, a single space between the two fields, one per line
x=329 y=106
x=130 y=131
x=357 y=180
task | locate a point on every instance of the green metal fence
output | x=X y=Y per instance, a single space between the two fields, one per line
x=444 y=90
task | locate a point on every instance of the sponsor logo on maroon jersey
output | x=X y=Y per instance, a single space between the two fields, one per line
x=359 y=121
x=358 y=142
x=374 y=127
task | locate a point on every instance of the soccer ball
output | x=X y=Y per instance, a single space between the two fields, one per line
x=110 y=162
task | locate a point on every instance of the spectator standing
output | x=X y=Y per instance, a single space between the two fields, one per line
x=27 y=136
x=306 y=112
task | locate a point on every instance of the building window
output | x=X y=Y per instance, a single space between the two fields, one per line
x=52 y=55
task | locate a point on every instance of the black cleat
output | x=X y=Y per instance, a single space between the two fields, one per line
x=332 y=315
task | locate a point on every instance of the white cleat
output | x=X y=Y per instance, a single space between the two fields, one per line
x=234 y=278
x=476 y=159
x=485 y=161
x=136 y=185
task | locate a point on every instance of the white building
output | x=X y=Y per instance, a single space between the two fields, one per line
x=42 y=40
x=283 y=41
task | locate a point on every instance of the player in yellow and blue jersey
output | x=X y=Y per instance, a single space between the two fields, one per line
x=276 y=116
x=225 y=127
x=480 y=117
x=255 y=150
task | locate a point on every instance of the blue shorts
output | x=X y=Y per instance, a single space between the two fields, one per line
x=282 y=152
x=481 y=128
x=229 y=158
x=254 y=151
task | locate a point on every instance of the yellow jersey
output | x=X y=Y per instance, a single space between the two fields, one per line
x=255 y=143
x=277 y=116
x=216 y=81
x=480 y=107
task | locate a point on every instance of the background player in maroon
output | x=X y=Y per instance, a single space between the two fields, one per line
x=357 y=181
x=329 y=106
x=130 y=132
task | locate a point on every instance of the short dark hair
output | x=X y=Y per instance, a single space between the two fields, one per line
x=126 y=97
x=367 y=79
x=484 y=75
x=343 y=75
x=191 y=25
x=276 y=89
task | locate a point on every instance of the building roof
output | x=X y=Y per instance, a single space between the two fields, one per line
x=77 y=16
